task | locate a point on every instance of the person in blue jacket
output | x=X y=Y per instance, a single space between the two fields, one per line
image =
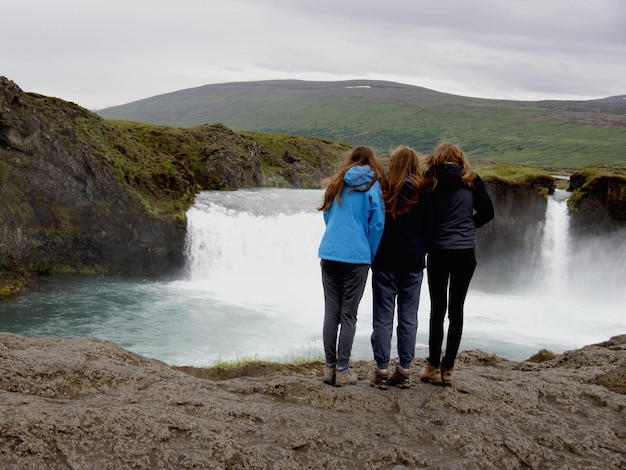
x=461 y=204
x=354 y=214
x=398 y=267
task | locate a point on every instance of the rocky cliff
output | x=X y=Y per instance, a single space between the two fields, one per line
x=65 y=204
x=509 y=239
x=85 y=404
x=81 y=194
x=598 y=201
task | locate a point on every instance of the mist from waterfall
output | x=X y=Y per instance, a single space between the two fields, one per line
x=266 y=259
x=253 y=290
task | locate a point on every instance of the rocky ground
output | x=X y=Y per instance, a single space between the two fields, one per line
x=86 y=404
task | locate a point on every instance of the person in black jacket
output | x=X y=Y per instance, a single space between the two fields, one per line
x=397 y=269
x=460 y=206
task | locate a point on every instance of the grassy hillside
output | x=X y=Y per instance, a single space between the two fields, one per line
x=384 y=114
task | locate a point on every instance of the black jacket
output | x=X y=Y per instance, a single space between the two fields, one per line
x=457 y=209
x=405 y=239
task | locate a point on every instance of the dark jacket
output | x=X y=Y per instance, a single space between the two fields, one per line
x=457 y=209
x=405 y=238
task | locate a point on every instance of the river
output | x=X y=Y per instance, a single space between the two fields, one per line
x=252 y=290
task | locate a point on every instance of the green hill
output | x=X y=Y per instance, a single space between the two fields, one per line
x=569 y=134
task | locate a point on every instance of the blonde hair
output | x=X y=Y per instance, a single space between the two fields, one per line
x=448 y=152
x=404 y=165
x=359 y=156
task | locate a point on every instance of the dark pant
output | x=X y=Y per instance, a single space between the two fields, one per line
x=456 y=267
x=344 y=284
x=388 y=289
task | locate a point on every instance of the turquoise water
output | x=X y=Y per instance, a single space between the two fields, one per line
x=252 y=290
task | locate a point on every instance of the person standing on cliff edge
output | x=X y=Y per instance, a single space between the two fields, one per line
x=460 y=206
x=354 y=214
x=398 y=267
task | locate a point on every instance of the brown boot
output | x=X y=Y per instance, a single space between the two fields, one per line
x=345 y=377
x=446 y=377
x=329 y=375
x=400 y=378
x=430 y=374
x=379 y=378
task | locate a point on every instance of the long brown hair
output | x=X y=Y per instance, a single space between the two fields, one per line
x=404 y=165
x=359 y=156
x=448 y=152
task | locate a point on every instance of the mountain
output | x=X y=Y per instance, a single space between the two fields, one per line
x=570 y=134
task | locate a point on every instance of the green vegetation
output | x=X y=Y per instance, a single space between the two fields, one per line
x=608 y=182
x=518 y=175
x=543 y=355
x=252 y=368
x=131 y=162
x=248 y=361
x=544 y=134
x=164 y=166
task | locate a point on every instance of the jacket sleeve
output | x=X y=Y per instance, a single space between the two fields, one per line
x=483 y=207
x=376 y=222
x=326 y=216
x=428 y=221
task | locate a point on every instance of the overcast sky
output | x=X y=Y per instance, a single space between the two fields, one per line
x=105 y=53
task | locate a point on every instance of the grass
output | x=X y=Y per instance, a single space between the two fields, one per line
x=255 y=361
x=559 y=134
x=518 y=175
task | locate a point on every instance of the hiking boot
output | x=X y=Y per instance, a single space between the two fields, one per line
x=400 y=378
x=379 y=378
x=430 y=374
x=446 y=377
x=345 y=377
x=329 y=375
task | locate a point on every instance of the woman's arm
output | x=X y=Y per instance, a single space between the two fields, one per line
x=483 y=207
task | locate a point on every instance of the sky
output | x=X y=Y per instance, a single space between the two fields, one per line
x=99 y=53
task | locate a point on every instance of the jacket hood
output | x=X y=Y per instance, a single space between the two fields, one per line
x=359 y=176
x=449 y=176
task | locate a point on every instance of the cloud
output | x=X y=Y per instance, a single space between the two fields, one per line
x=103 y=54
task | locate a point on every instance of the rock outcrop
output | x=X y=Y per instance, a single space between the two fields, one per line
x=510 y=238
x=85 y=404
x=65 y=204
x=81 y=194
x=598 y=202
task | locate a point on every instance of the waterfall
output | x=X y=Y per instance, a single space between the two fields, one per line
x=257 y=247
x=253 y=290
x=555 y=244
x=254 y=279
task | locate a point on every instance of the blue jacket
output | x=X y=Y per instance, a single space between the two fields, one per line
x=355 y=225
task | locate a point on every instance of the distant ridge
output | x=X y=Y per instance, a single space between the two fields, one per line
x=384 y=114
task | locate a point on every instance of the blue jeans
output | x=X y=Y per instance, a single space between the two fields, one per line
x=344 y=284
x=390 y=288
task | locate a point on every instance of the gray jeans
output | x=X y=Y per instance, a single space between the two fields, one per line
x=344 y=284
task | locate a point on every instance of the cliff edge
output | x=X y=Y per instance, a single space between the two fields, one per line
x=81 y=404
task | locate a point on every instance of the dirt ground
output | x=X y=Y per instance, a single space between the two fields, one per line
x=85 y=404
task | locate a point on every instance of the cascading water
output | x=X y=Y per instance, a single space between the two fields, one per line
x=253 y=290
x=258 y=252
x=555 y=245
